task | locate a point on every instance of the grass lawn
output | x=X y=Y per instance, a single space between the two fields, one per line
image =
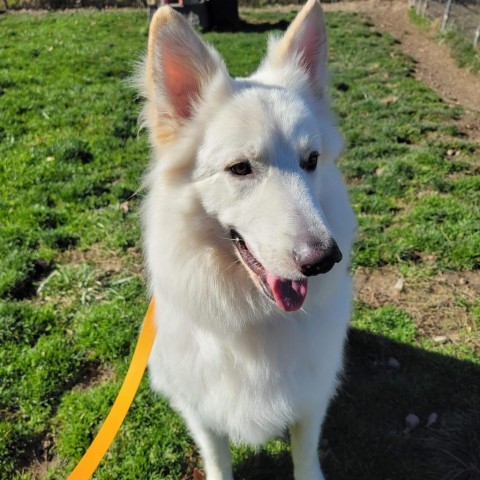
x=72 y=295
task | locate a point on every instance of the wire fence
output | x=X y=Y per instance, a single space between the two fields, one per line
x=460 y=15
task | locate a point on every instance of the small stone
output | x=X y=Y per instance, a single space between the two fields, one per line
x=440 y=339
x=399 y=285
x=432 y=418
x=125 y=207
x=47 y=443
x=393 y=363
x=50 y=159
x=450 y=152
x=411 y=422
x=389 y=100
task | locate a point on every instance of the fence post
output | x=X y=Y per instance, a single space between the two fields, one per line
x=424 y=8
x=446 y=15
x=417 y=4
x=151 y=8
x=420 y=7
x=477 y=36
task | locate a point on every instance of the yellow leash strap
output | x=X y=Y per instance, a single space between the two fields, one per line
x=93 y=456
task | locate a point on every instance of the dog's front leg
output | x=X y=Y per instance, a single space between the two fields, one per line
x=215 y=450
x=304 y=438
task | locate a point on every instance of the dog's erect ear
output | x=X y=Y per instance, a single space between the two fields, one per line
x=304 y=44
x=179 y=68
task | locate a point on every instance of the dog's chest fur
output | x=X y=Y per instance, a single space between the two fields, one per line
x=253 y=384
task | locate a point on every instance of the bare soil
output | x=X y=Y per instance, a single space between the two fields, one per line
x=43 y=460
x=439 y=304
x=106 y=260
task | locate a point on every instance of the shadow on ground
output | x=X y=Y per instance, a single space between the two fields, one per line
x=247 y=27
x=364 y=434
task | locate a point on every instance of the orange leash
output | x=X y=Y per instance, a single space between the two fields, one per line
x=93 y=456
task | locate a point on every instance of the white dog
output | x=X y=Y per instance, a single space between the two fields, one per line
x=245 y=211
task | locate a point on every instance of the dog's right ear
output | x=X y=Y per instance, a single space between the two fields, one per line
x=302 y=47
x=179 y=69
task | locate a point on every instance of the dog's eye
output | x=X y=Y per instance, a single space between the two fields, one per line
x=242 y=168
x=311 y=164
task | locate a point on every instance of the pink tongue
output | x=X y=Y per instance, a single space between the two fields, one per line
x=289 y=294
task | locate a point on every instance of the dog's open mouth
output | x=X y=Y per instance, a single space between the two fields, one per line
x=289 y=295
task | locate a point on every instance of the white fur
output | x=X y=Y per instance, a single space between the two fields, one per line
x=230 y=361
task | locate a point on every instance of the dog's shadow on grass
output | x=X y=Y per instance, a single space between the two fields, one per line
x=365 y=433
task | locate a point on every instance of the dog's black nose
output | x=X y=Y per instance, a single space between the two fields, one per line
x=318 y=258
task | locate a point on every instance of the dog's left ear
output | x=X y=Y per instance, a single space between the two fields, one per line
x=304 y=44
x=179 y=69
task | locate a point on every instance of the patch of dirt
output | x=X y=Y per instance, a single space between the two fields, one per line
x=93 y=374
x=435 y=67
x=42 y=459
x=438 y=304
x=469 y=125
x=107 y=260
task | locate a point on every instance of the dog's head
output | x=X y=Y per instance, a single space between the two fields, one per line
x=255 y=148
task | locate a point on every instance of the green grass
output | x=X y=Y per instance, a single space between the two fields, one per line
x=465 y=54
x=72 y=297
x=419 y=20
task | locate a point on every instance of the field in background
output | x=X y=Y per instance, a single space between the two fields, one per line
x=461 y=31
x=71 y=287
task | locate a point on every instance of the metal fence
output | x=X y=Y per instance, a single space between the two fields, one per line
x=460 y=15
